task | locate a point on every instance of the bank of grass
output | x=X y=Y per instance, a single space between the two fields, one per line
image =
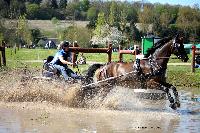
x=33 y=58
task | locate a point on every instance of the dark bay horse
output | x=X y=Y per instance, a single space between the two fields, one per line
x=149 y=73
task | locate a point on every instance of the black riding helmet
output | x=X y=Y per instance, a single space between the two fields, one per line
x=65 y=44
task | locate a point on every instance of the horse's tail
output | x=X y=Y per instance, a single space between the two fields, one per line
x=91 y=71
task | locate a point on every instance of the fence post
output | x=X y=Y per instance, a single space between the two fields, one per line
x=109 y=51
x=3 y=55
x=0 y=56
x=193 y=59
x=120 y=54
x=73 y=57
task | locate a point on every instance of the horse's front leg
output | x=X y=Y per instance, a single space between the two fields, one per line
x=173 y=104
x=177 y=102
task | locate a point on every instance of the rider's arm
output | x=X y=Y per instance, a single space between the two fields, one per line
x=64 y=61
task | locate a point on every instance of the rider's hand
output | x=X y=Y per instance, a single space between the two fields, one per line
x=75 y=64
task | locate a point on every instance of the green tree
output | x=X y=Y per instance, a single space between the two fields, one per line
x=84 y=5
x=54 y=4
x=35 y=35
x=123 y=20
x=2 y=30
x=63 y=4
x=4 y=9
x=16 y=8
x=92 y=16
x=92 y=13
x=100 y=23
x=112 y=15
x=146 y=18
x=23 y=32
x=45 y=4
x=189 y=21
x=72 y=11
x=32 y=11
x=34 y=1
x=132 y=14
x=73 y=33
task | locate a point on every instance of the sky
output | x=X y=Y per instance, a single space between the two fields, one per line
x=173 y=2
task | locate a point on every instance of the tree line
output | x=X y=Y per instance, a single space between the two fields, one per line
x=161 y=20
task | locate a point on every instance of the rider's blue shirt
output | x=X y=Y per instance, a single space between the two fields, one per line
x=56 y=60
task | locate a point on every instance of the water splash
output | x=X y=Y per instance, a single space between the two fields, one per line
x=19 y=86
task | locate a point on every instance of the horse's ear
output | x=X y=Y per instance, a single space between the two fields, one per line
x=181 y=39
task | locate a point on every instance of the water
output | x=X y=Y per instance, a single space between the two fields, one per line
x=34 y=106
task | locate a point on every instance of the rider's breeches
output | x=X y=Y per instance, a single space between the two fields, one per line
x=73 y=75
x=62 y=70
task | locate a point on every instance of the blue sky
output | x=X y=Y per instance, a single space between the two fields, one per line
x=173 y=2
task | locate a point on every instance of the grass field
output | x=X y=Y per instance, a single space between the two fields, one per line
x=33 y=58
x=47 y=25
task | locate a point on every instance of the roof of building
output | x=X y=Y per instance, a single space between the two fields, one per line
x=188 y=45
x=197 y=45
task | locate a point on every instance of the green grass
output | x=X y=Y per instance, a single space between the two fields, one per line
x=177 y=75
x=183 y=77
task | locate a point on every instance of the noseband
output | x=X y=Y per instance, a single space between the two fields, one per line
x=175 y=46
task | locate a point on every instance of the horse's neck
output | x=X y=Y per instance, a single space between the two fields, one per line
x=161 y=55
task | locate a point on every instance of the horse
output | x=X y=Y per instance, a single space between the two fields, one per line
x=149 y=72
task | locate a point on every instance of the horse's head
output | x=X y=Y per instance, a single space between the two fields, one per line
x=178 y=48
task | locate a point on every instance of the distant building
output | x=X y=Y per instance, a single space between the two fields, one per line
x=48 y=43
x=188 y=48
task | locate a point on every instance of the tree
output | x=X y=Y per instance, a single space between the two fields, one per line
x=2 y=30
x=92 y=13
x=54 y=4
x=84 y=5
x=134 y=33
x=63 y=4
x=189 y=20
x=16 y=8
x=123 y=20
x=92 y=16
x=146 y=18
x=35 y=35
x=73 y=33
x=32 y=11
x=4 y=9
x=108 y=34
x=72 y=11
x=23 y=32
x=34 y=1
x=100 y=23
x=45 y=4
x=132 y=14
x=112 y=15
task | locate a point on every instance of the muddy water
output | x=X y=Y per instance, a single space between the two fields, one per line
x=28 y=105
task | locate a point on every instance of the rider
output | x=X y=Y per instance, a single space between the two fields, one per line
x=61 y=60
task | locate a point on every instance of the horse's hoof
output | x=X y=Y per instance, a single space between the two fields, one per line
x=177 y=104
x=173 y=106
x=171 y=100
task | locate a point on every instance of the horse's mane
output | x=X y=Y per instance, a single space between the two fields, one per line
x=157 y=45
